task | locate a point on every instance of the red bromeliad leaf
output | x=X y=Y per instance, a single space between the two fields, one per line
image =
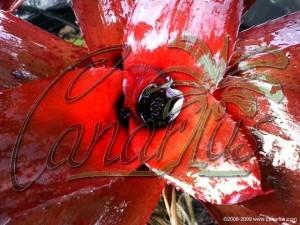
x=65 y=129
x=102 y=22
x=175 y=31
x=197 y=35
x=211 y=22
x=266 y=210
x=195 y=154
x=27 y=52
x=268 y=56
x=182 y=40
x=72 y=131
x=119 y=201
x=85 y=201
x=10 y=5
x=55 y=131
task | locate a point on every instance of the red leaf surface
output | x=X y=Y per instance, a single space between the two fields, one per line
x=211 y=22
x=102 y=22
x=66 y=125
x=190 y=42
x=27 y=52
x=191 y=36
x=181 y=154
x=10 y=4
x=272 y=51
x=119 y=201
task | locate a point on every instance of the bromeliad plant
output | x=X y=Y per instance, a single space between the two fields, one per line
x=171 y=85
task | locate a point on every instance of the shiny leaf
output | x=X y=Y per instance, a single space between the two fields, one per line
x=198 y=152
x=27 y=52
x=59 y=130
x=214 y=23
x=102 y=22
x=10 y=5
x=211 y=160
x=119 y=201
x=271 y=52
